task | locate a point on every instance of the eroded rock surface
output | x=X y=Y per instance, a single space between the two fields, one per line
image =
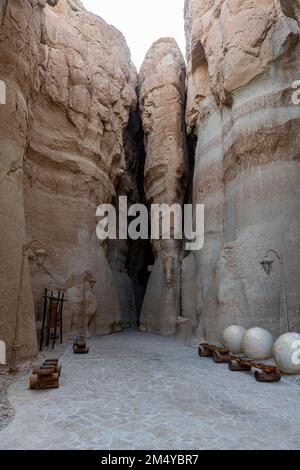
x=71 y=88
x=162 y=99
x=19 y=38
x=71 y=139
x=243 y=57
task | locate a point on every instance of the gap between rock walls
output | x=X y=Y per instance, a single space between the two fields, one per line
x=79 y=128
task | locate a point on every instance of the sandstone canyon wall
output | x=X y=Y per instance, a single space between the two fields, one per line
x=79 y=128
x=19 y=36
x=243 y=56
x=71 y=88
x=162 y=101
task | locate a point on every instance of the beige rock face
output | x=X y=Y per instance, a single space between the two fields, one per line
x=71 y=88
x=162 y=98
x=243 y=57
x=71 y=139
x=236 y=40
x=19 y=36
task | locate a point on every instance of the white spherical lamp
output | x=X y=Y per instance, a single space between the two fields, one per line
x=286 y=352
x=233 y=338
x=257 y=344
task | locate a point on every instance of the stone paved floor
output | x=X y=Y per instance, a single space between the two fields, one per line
x=141 y=391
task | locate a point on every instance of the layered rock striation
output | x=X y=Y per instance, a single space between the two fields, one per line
x=162 y=101
x=242 y=60
x=78 y=128
x=71 y=88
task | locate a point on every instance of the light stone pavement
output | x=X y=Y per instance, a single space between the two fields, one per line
x=142 y=391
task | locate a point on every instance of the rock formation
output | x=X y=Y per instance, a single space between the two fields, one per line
x=162 y=100
x=19 y=37
x=223 y=133
x=71 y=89
x=243 y=57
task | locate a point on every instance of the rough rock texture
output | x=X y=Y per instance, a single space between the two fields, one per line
x=162 y=100
x=243 y=57
x=71 y=88
x=127 y=257
x=71 y=138
x=19 y=38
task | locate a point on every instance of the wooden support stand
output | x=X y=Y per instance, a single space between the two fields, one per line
x=46 y=376
x=79 y=346
x=263 y=372
x=52 y=318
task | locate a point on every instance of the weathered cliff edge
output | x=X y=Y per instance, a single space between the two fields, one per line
x=243 y=57
x=71 y=88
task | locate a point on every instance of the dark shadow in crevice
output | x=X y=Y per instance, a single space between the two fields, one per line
x=288 y=9
x=140 y=255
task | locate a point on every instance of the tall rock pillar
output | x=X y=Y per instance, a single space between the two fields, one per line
x=243 y=57
x=162 y=100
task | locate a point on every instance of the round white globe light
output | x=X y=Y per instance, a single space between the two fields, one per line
x=233 y=338
x=286 y=352
x=258 y=343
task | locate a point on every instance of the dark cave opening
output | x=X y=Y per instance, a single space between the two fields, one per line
x=192 y=141
x=138 y=254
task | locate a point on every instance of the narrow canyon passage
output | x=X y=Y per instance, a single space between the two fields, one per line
x=82 y=127
x=214 y=127
x=142 y=391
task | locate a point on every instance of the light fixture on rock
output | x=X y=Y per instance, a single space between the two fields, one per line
x=267 y=264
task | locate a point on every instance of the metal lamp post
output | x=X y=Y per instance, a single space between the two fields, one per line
x=79 y=346
x=267 y=264
x=40 y=255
